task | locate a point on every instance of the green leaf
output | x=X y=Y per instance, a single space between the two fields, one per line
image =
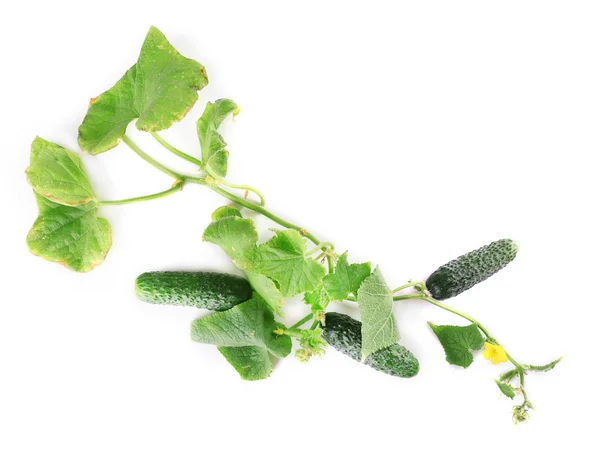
x=506 y=389
x=73 y=236
x=245 y=336
x=458 y=341
x=267 y=289
x=157 y=91
x=235 y=235
x=58 y=174
x=282 y=259
x=214 y=154
x=225 y=211
x=318 y=300
x=252 y=363
x=346 y=278
x=376 y=307
x=248 y=324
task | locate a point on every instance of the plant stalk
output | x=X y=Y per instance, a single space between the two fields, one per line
x=177 y=186
x=176 y=151
x=144 y=156
x=460 y=314
x=230 y=196
x=302 y=321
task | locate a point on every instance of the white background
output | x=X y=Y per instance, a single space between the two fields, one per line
x=406 y=134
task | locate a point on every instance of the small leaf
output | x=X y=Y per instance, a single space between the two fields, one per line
x=458 y=341
x=318 y=300
x=346 y=278
x=225 y=211
x=282 y=259
x=58 y=174
x=157 y=91
x=235 y=235
x=506 y=389
x=267 y=289
x=214 y=155
x=376 y=307
x=245 y=336
x=72 y=236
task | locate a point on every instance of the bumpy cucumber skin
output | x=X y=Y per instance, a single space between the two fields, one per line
x=344 y=334
x=468 y=270
x=205 y=290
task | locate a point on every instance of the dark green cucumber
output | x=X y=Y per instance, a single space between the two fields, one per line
x=205 y=290
x=468 y=270
x=344 y=334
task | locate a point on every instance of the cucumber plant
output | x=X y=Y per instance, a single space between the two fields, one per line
x=159 y=90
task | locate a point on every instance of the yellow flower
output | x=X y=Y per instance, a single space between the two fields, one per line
x=494 y=353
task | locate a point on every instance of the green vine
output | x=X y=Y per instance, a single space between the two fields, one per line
x=70 y=231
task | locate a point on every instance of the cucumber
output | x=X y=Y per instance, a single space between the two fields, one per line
x=344 y=334
x=205 y=290
x=468 y=270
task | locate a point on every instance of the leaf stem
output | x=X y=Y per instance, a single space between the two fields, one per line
x=302 y=321
x=196 y=180
x=459 y=313
x=230 y=196
x=323 y=246
x=177 y=186
x=261 y=210
x=292 y=332
x=144 y=156
x=176 y=151
x=242 y=187
x=409 y=285
x=169 y=172
x=407 y=296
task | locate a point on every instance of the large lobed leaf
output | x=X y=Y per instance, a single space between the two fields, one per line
x=458 y=342
x=73 y=236
x=376 y=306
x=282 y=259
x=252 y=363
x=346 y=279
x=157 y=91
x=235 y=235
x=58 y=174
x=245 y=335
x=275 y=269
x=67 y=230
